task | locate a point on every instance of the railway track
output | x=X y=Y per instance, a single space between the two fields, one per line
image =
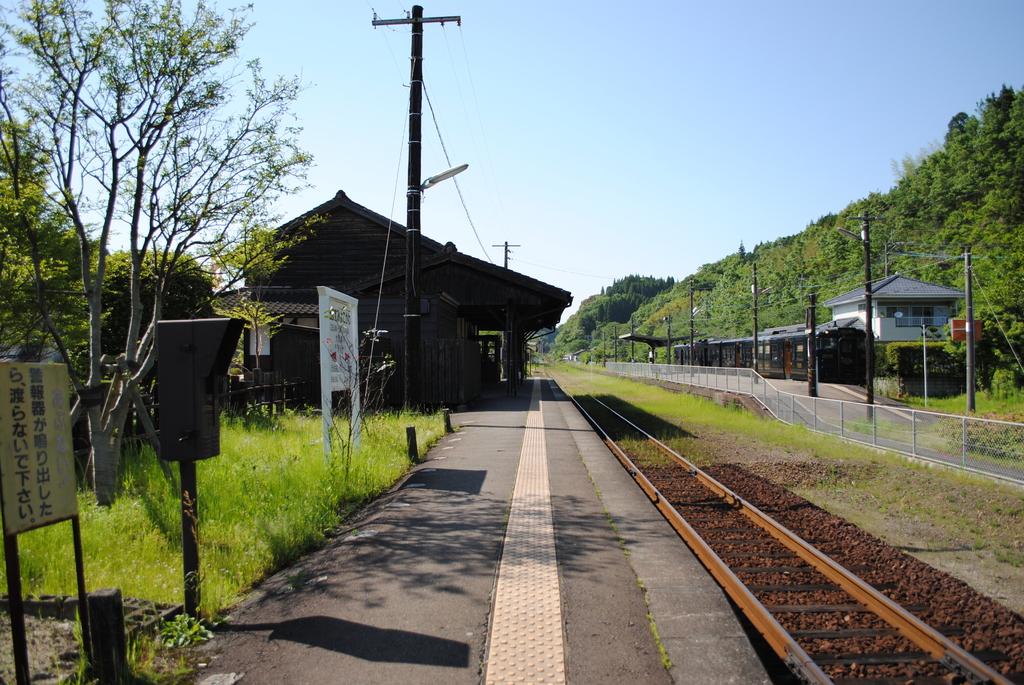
x=825 y=621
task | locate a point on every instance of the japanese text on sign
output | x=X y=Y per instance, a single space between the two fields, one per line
x=36 y=462
x=339 y=357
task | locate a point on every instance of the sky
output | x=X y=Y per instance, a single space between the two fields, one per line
x=616 y=138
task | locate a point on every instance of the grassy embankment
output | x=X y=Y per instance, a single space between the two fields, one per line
x=268 y=497
x=920 y=508
x=1006 y=408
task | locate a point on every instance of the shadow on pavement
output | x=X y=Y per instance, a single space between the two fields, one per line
x=363 y=641
x=469 y=481
x=655 y=425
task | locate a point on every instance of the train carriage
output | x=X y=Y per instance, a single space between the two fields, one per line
x=782 y=352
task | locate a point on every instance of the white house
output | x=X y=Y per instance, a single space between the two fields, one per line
x=901 y=306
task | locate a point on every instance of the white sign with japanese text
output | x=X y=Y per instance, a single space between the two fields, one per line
x=37 y=467
x=339 y=358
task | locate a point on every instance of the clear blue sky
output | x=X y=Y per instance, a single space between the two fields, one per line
x=616 y=138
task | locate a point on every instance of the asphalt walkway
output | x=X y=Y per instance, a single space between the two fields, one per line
x=409 y=593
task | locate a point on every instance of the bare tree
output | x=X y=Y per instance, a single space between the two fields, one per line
x=158 y=138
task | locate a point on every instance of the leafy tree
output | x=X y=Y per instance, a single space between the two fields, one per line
x=188 y=295
x=968 y=190
x=158 y=137
x=51 y=246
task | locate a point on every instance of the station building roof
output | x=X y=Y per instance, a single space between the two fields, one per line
x=899 y=287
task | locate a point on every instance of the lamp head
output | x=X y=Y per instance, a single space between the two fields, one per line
x=443 y=176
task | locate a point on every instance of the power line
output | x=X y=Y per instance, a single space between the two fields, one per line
x=991 y=310
x=458 y=188
x=387 y=244
x=566 y=271
x=495 y=187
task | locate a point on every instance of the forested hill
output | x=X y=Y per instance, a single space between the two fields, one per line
x=969 y=191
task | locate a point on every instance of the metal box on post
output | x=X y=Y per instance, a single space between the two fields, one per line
x=194 y=356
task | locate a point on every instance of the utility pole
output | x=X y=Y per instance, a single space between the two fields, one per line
x=413 y=196
x=507 y=250
x=869 y=332
x=690 y=359
x=969 y=326
x=668 y=339
x=812 y=346
x=632 y=332
x=753 y=289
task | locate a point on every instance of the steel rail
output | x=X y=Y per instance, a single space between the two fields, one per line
x=781 y=642
x=921 y=634
x=914 y=629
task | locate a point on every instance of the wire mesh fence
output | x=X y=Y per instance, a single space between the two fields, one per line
x=994 y=448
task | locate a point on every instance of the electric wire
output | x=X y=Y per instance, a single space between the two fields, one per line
x=565 y=271
x=458 y=188
x=384 y=32
x=991 y=311
x=387 y=244
x=495 y=187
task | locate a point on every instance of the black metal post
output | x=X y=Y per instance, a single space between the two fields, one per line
x=16 y=610
x=632 y=332
x=812 y=346
x=969 y=326
x=83 y=606
x=690 y=356
x=753 y=289
x=869 y=332
x=190 y=536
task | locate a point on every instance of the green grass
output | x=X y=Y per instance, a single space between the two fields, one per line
x=268 y=497
x=867 y=486
x=699 y=412
x=1009 y=408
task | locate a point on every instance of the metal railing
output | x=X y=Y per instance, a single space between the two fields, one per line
x=917 y=321
x=985 y=446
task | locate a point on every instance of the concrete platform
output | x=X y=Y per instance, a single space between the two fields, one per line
x=407 y=594
x=831 y=391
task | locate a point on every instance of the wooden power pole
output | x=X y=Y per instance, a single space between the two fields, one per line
x=690 y=355
x=414 y=194
x=753 y=289
x=507 y=250
x=869 y=331
x=812 y=346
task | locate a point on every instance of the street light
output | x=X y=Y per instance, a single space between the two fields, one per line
x=411 y=334
x=443 y=176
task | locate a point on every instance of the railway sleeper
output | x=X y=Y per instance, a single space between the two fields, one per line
x=894 y=658
x=810 y=587
x=860 y=632
x=828 y=608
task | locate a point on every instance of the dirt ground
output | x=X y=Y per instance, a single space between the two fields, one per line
x=903 y=504
x=52 y=650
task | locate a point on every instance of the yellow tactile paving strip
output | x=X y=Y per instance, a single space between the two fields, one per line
x=526 y=644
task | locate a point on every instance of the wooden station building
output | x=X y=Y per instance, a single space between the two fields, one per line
x=476 y=317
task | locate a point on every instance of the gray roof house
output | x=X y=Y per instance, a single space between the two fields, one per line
x=901 y=306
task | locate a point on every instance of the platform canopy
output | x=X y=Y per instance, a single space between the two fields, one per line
x=485 y=293
x=652 y=340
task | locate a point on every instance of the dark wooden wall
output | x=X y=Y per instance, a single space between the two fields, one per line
x=295 y=354
x=451 y=371
x=343 y=250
